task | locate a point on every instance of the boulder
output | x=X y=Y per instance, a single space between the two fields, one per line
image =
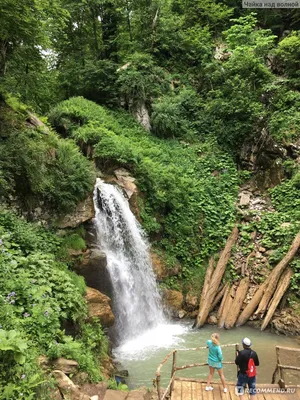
x=191 y=302
x=137 y=394
x=67 y=388
x=83 y=212
x=126 y=181
x=174 y=300
x=81 y=378
x=262 y=155
x=161 y=269
x=212 y=320
x=107 y=367
x=95 y=389
x=115 y=395
x=141 y=114
x=99 y=307
x=287 y=323
x=33 y=122
x=93 y=267
x=54 y=394
x=244 y=198
x=63 y=364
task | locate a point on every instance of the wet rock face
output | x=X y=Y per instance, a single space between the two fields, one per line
x=263 y=156
x=82 y=213
x=161 y=269
x=93 y=264
x=99 y=307
x=174 y=301
x=287 y=323
x=126 y=182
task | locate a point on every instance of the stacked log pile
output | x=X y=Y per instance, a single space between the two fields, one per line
x=213 y=279
x=232 y=311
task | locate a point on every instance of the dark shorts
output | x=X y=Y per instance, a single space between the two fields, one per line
x=244 y=381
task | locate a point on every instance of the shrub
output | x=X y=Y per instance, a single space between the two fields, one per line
x=38 y=294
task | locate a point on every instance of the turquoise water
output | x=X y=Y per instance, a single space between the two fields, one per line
x=142 y=355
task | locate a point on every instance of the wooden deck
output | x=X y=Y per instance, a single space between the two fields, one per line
x=194 y=390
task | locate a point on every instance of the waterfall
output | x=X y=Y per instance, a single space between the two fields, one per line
x=136 y=300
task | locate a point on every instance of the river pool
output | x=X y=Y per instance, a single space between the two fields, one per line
x=142 y=355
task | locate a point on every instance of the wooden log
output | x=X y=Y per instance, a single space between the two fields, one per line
x=275 y=275
x=281 y=373
x=173 y=372
x=227 y=306
x=218 y=297
x=216 y=278
x=290 y=367
x=208 y=275
x=280 y=291
x=252 y=254
x=251 y=306
x=237 y=303
x=200 y=365
x=237 y=348
x=223 y=302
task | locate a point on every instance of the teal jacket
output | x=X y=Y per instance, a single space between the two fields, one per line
x=215 y=356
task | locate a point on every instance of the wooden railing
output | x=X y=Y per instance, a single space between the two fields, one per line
x=175 y=368
x=280 y=367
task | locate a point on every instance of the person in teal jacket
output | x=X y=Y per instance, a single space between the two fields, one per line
x=215 y=358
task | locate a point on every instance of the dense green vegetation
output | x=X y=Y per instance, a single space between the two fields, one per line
x=39 y=294
x=209 y=77
x=189 y=189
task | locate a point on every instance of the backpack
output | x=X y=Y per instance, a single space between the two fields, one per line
x=251 y=371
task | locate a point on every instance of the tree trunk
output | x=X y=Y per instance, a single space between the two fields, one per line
x=223 y=302
x=280 y=291
x=216 y=278
x=250 y=308
x=236 y=306
x=208 y=275
x=227 y=306
x=219 y=296
x=275 y=275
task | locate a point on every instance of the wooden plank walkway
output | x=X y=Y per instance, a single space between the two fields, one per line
x=193 y=390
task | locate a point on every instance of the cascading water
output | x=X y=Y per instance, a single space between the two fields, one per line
x=136 y=300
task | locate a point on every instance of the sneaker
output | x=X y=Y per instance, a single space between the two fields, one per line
x=225 y=390
x=209 y=388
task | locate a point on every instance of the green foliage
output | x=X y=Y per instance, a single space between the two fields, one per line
x=27 y=237
x=42 y=167
x=113 y=385
x=286 y=197
x=141 y=80
x=20 y=375
x=283 y=106
x=189 y=189
x=233 y=107
x=12 y=347
x=242 y=36
x=37 y=295
x=175 y=115
x=288 y=53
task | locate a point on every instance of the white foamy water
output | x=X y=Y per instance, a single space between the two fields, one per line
x=161 y=336
x=136 y=300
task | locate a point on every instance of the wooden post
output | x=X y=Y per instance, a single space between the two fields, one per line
x=158 y=386
x=237 y=347
x=173 y=370
x=281 y=375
